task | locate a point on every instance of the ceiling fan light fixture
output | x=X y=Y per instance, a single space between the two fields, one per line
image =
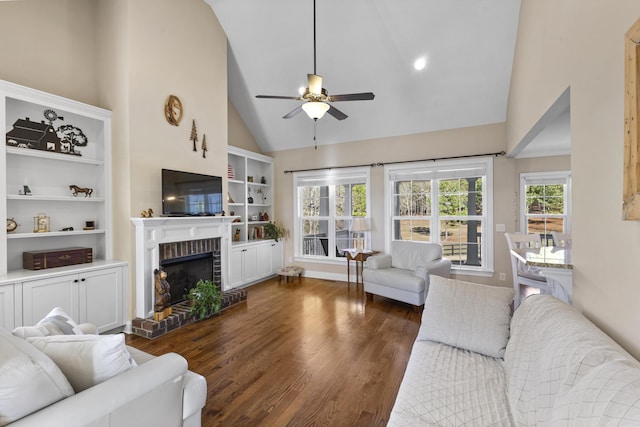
x=315 y=110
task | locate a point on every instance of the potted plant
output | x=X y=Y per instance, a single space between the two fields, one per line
x=274 y=231
x=205 y=299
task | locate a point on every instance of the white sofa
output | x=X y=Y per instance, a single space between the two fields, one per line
x=36 y=391
x=403 y=274
x=557 y=367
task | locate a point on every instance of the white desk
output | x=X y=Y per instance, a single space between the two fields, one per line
x=555 y=264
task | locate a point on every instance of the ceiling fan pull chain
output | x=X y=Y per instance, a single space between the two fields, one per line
x=315 y=142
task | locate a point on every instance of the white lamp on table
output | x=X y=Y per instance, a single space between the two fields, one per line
x=359 y=225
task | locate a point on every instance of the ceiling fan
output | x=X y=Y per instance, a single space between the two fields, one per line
x=316 y=97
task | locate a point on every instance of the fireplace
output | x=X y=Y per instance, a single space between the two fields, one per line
x=197 y=260
x=163 y=238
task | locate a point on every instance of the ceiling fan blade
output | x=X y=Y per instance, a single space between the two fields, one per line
x=364 y=96
x=315 y=83
x=293 y=112
x=336 y=113
x=297 y=98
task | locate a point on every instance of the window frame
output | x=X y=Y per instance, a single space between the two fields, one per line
x=446 y=169
x=330 y=178
x=550 y=177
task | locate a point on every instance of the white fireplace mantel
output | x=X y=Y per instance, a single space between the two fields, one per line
x=151 y=232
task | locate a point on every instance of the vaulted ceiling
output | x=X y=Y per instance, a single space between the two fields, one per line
x=369 y=45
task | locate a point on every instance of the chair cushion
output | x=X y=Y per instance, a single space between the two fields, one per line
x=395 y=278
x=467 y=315
x=86 y=360
x=446 y=386
x=29 y=380
x=408 y=255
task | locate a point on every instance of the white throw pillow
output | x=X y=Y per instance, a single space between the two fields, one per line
x=57 y=322
x=29 y=380
x=467 y=315
x=86 y=360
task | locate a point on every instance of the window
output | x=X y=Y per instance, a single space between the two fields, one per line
x=448 y=202
x=326 y=203
x=545 y=203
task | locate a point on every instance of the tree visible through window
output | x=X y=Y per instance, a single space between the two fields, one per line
x=327 y=203
x=545 y=204
x=443 y=203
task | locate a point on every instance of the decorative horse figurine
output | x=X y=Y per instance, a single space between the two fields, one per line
x=87 y=191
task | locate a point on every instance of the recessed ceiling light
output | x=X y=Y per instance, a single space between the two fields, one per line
x=420 y=63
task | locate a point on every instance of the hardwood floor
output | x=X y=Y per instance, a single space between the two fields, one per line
x=307 y=353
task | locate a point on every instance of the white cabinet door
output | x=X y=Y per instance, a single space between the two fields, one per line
x=101 y=297
x=236 y=268
x=41 y=296
x=250 y=261
x=7 y=319
x=94 y=296
x=264 y=260
x=276 y=256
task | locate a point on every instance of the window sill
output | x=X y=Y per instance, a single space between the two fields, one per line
x=477 y=273
x=321 y=260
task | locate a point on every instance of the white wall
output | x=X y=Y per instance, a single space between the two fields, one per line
x=580 y=44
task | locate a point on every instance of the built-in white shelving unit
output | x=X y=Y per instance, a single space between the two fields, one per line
x=251 y=192
x=52 y=143
x=250 y=185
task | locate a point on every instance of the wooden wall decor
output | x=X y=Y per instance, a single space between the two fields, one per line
x=173 y=110
x=631 y=185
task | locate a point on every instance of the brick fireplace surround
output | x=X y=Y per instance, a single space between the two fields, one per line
x=178 y=236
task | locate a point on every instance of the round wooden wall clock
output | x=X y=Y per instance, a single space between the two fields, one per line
x=11 y=225
x=173 y=110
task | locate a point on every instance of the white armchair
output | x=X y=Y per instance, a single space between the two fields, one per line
x=403 y=274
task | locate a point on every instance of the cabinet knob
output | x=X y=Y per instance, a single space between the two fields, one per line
x=83 y=279
x=75 y=281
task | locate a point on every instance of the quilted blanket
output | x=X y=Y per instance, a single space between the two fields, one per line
x=446 y=386
x=562 y=370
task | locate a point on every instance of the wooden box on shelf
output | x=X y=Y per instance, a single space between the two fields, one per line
x=39 y=260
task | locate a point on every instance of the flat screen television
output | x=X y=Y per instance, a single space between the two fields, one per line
x=190 y=194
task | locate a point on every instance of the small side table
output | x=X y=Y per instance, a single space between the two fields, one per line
x=359 y=257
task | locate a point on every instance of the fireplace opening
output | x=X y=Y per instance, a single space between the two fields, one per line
x=184 y=272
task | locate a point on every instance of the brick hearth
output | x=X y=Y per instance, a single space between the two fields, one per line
x=149 y=328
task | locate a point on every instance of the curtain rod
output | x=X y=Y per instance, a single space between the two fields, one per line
x=434 y=159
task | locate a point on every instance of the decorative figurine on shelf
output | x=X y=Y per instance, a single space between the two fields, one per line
x=89 y=225
x=265 y=216
x=11 y=225
x=26 y=190
x=41 y=223
x=260 y=217
x=194 y=135
x=147 y=214
x=249 y=198
x=236 y=235
x=204 y=146
x=162 y=307
x=75 y=189
x=67 y=229
x=38 y=135
x=263 y=180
